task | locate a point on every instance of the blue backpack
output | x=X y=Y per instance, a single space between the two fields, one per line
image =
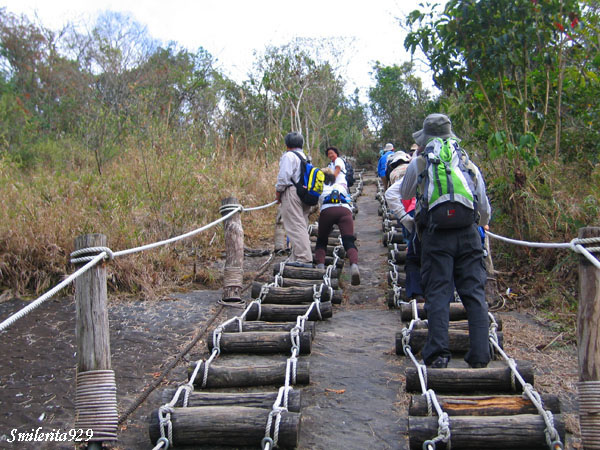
x=310 y=184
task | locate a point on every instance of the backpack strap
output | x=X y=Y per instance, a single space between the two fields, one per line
x=302 y=161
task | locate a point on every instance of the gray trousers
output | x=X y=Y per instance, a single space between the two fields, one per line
x=454 y=258
x=294 y=215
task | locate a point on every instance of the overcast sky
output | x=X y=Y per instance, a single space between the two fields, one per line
x=231 y=30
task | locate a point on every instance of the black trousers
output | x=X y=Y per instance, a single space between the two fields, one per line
x=454 y=258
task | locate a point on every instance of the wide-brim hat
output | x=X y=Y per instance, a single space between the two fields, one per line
x=388 y=147
x=434 y=125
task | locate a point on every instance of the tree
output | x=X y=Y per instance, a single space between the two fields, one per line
x=398 y=103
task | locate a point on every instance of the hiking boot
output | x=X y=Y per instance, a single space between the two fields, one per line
x=441 y=362
x=355 y=275
x=478 y=365
x=321 y=266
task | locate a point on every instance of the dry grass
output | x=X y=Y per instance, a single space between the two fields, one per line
x=142 y=197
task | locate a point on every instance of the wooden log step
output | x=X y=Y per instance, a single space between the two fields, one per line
x=496 y=378
x=393 y=237
x=458 y=340
x=288 y=313
x=457 y=311
x=329 y=261
x=329 y=250
x=484 y=405
x=314 y=231
x=249 y=399
x=287 y=282
x=401 y=276
x=391 y=300
x=399 y=257
x=304 y=273
x=255 y=373
x=235 y=426
x=525 y=431
x=294 y=295
x=456 y=325
x=397 y=247
x=330 y=241
x=257 y=325
x=260 y=342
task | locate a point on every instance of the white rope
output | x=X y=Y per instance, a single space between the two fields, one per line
x=23 y=312
x=575 y=245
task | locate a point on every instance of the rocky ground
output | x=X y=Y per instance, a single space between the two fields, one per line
x=355 y=399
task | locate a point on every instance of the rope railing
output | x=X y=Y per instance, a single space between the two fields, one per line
x=577 y=245
x=100 y=253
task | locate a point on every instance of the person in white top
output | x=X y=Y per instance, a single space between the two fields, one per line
x=338 y=165
x=336 y=209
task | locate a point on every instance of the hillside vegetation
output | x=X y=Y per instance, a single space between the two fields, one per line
x=104 y=129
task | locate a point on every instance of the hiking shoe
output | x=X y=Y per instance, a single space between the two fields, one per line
x=355 y=274
x=321 y=266
x=441 y=362
x=478 y=365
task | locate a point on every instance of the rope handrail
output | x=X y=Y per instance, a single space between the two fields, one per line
x=576 y=245
x=106 y=253
x=23 y=312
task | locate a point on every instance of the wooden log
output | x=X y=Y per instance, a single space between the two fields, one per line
x=457 y=312
x=391 y=300
x=93 y=342
x=393 y=237
x=455 y=325
x=330 y=249
x=399 y=257
x=261 y=373
x=233 y=272
x=257 y=325
x=287 y=282
x=458 y=340
x=248 y=399
x=287 y=313
x=492 y=379
x=330 y=240
x=401 y=276
x=236 y=426
x=525 y=431
x=397 y=247
x=329 y=261
x=588 y=314
x=294 y=295
x=260 y=342
x=484 y=405
x=304 y=273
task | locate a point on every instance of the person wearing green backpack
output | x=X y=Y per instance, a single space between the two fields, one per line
x=451 y=203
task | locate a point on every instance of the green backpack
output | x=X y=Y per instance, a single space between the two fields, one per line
x=446 y=186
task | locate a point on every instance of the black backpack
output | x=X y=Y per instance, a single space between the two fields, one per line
x=349 y=172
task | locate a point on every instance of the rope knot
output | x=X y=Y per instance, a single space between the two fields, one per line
x=90 y=253
x=226 y=209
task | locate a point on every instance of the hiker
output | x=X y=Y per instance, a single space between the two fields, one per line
x=396 y=166
x=336 y=209
x=387 y=151
x=337 y=165
x=451 y=251
x=404 y=211
x=294 y=213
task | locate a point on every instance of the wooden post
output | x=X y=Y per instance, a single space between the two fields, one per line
x=588 y=345
x=91 y=316
x=233 y=272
